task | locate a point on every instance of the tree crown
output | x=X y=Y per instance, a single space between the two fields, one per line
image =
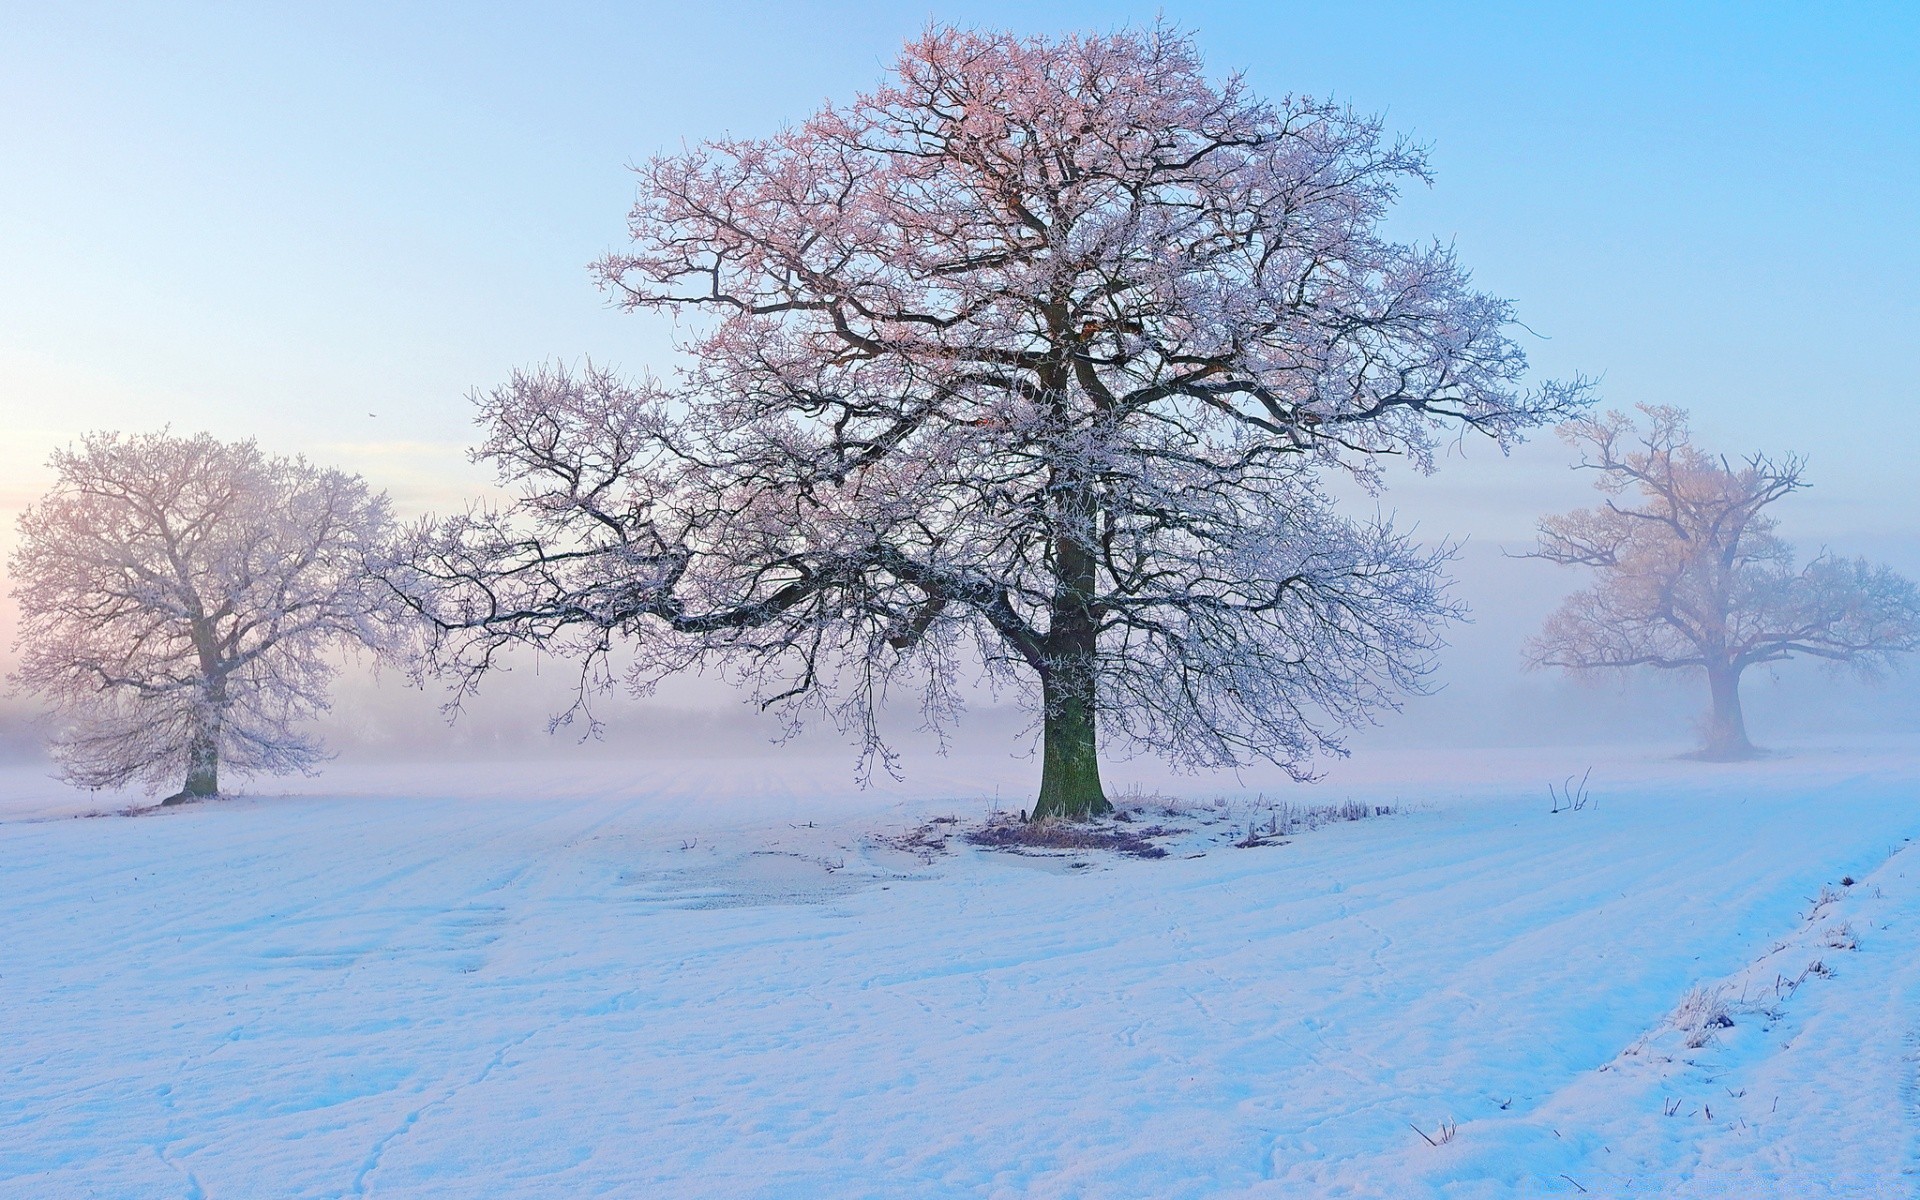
x=1031 y=355
x=168 y=584
x=1692 y=572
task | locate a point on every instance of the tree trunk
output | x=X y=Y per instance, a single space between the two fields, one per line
x=203 y=772
x=1070 y=765
x=1726 y=732
x=203 y=752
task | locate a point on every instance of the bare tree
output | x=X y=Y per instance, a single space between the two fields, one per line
x=1030 y=358
x=178 y=598
x=1692 y=576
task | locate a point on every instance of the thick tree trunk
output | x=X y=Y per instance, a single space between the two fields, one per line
x=1070 y=768
x=203 y=752
x=203 y=771
x=1726 y=731
x=1070 y=765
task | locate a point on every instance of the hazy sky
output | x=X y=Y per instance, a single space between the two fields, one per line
x=323 y=225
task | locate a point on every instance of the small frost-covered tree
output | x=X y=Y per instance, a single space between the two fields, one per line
x=1692 y=576
x=1033 y=357
x=179 y=597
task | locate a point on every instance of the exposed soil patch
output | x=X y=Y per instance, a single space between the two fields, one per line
x=1062 y=835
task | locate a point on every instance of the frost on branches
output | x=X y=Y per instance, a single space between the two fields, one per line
x=1693 y=577
x=1030 y=358
x=178 y=597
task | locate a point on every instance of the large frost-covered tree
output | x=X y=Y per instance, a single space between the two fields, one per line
x=1032 y=357
x=179 y=597
x=1693 y=577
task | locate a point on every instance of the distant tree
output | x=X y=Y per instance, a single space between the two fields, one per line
x=1033 y=358
x=178 y=600
x=1692 y=576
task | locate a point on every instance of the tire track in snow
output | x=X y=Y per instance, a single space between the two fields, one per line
x=1752 y=1110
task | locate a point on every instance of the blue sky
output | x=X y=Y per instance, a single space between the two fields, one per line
x=322 y=225
x=275 y=220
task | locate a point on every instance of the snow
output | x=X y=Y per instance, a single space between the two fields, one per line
x=659 y=979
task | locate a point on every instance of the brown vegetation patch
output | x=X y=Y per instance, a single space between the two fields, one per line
x=1064 y=835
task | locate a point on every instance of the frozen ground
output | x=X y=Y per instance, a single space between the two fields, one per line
x=616 y=981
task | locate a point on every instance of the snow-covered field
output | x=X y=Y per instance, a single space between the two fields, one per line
x=621 y=981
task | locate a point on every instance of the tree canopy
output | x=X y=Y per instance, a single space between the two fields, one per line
x=1031 y=358
x=1692 y=574
x=178 y=598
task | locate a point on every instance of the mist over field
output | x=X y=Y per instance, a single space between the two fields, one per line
x=1483 y=696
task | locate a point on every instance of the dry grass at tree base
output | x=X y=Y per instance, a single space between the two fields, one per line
x=1241 y=824
x=1010 y=834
